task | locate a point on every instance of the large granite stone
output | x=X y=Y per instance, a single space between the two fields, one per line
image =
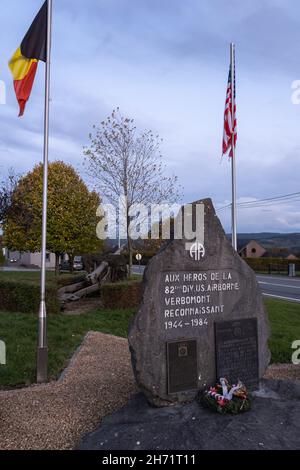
x=183 y=300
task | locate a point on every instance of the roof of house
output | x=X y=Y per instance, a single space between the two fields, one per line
x=243 y=244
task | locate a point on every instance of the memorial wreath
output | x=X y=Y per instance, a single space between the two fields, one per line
x=225 y=398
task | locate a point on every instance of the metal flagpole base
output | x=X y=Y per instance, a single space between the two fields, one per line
x=42 y=360
x=42 y=352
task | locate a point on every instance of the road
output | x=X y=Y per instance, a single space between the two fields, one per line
x=279 y=287
x=136 y=269
x=17 y=269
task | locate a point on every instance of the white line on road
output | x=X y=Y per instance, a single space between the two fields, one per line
x=280 y=278
x=281 y=297
x=279 y=285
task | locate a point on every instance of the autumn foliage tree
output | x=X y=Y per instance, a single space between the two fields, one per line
x=72 y=221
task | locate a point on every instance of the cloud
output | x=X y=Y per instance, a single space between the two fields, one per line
x=166 y=65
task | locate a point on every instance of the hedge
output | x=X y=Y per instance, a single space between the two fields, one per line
x=271 y=264
x=121 y=295
x=68 y=279
x=23 y=297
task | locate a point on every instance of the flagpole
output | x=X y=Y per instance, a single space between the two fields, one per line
x=233 y=165
x=42 y=353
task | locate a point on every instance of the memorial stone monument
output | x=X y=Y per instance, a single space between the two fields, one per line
x=202 y=317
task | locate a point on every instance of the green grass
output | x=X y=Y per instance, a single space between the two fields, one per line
x=33 y=277
x=65 y=333
x=285 y=328
x=30 y=276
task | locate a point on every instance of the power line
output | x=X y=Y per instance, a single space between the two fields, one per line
x=279 y=202
x=222 y=208
x=292 y=197
x=272 y=199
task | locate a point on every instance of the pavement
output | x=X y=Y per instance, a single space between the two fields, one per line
x=273 y=423
x=280 y=287
x=138 y=269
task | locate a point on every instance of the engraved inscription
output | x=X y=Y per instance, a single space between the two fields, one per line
x=190 y=299
x=237 y=350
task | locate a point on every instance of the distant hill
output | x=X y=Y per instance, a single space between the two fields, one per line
x=290 y=241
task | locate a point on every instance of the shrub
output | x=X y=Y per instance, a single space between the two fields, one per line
x=68 y=279
x=271 y=264
x=121 y=295
x=25 y=297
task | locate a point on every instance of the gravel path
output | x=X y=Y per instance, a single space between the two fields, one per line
x=283 y=372
x=98 y=381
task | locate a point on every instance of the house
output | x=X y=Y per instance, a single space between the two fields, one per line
x=28 y=260
x=292 y=257
x=253 y=249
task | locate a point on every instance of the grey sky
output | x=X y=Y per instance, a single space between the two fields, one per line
x=165 y=63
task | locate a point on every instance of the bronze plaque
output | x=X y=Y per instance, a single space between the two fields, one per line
x=237 y=351
x=182 y=366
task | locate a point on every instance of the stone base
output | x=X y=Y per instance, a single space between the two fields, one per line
x=273 y=423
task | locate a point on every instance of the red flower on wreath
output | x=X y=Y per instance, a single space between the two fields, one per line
x=222 y=401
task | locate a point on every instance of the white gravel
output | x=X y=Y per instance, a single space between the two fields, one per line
x=283 y=371
x=98 y=381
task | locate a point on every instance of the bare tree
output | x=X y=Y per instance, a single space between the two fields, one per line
x=125 y=162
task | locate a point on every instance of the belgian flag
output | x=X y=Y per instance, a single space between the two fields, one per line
x=24 y=62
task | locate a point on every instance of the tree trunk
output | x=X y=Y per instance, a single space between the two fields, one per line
x=56 y=264
x=71 y=262
x=129 y=246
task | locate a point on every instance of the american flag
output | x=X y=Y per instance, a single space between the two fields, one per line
x=230 y=132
